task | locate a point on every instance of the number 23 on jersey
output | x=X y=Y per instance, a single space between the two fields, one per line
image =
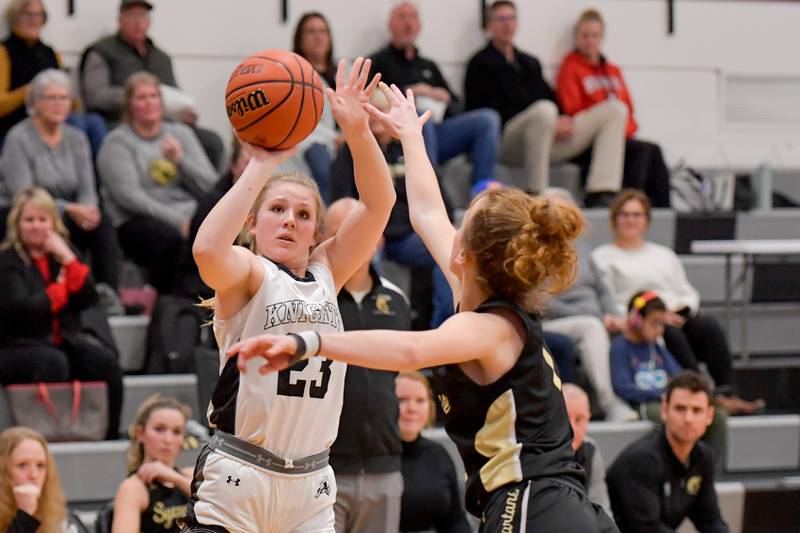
x=312 y=376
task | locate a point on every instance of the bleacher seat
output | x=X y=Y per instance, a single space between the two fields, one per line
x=768 y=224
x=771 y=328
x=706 y=273
x=457 y=179
x=91 y=471
x=5 y=411
x=763 y=443
x=662 y=227
x=731 y=495
x=138 y=388
x=613 y=437
x=130 y=334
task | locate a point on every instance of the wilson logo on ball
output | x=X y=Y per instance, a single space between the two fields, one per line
x=274 y=99
x=243 y=70
x=247 y=103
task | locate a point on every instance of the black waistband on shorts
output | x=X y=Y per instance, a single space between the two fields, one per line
x=261 y=457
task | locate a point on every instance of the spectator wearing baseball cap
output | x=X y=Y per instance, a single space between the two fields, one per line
x=125 y=4
x=108 y=63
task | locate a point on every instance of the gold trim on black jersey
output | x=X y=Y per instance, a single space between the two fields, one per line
x=497 y=440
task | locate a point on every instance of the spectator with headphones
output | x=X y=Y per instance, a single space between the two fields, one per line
x=631 y=263
x=641 y=367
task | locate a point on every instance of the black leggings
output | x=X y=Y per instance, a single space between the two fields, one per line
x=101 y=243
x=27 y=361
x=645 y=170
x=154 y=245
x=702 y=339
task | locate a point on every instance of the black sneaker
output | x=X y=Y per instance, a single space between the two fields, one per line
x=600 y=199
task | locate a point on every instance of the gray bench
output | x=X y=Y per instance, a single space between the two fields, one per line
x=92 y=471
x=138 y=388
x=130 y=334
x=731 y=504
x=755 y=443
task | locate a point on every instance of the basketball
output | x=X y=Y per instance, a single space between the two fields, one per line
x=274 y=99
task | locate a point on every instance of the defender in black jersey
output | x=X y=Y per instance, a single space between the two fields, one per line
x=496 y=384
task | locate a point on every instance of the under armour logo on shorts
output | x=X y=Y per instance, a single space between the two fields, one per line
x=234 y=481
x=324 y=486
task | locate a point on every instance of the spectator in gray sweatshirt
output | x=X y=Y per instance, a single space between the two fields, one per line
x=152 y=173
x=44 y=151
x=586 y=313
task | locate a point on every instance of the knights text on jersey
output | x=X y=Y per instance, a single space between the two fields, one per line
x=293 y=413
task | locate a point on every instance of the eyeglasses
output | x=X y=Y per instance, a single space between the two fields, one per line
x=504 y=18
x=33 y=16
x=631 y=214
x=50 y=98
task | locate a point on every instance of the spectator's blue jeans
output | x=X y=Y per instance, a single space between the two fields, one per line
x=410 y=251
x=319 y=161
x=475 y=132
x=93 y=126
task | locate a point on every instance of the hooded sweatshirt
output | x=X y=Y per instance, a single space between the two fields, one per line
x=582 y=84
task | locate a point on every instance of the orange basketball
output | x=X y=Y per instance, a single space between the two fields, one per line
x=274 y=99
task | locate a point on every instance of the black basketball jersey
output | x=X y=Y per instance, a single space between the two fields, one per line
x=167 y=504
x=513 y=429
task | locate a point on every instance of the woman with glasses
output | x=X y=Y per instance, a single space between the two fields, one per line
x=313 y=41
x=632 y=264
x=22 y=56
x=44 y=151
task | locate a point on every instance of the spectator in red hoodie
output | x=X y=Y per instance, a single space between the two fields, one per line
x=587 y=78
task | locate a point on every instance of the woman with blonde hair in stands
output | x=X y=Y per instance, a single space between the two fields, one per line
x=495 y=381
x=431 y=495
x=586 y=79
x=45 y=287
x=156 y=493
x=31 y=498
x=43 y=150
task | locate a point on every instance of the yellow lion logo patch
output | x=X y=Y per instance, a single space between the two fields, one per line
x=693 y=485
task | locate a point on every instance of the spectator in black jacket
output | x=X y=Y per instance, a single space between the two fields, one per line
x=668 y=475
x=188 y=283
x=535 y=132
x=45 y=287
x=450 y=131
x=402 y=245
x=366 y=454
x=432 y=499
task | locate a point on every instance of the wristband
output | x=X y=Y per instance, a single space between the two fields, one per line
x=308 y=345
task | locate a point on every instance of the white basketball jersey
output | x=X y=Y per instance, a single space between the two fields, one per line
x=293 y=413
